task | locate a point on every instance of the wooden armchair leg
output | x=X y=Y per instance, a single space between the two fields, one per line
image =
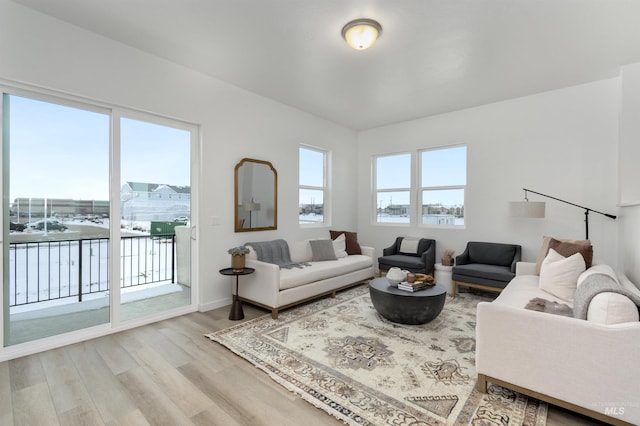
x=454 y=288
x=482 y=383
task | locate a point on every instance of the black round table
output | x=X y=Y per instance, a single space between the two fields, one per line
x=236 y=312
x=406 y=307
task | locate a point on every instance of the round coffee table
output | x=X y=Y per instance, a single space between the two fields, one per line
x=406 y=307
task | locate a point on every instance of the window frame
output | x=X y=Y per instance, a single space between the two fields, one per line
x=421 y=189
x=325 y=188
x=376 y=191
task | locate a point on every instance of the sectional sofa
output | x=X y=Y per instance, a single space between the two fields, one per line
x=541 y=349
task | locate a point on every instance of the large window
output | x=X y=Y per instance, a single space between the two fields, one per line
x=443 y=178
x=393 y=188
x=312 y=178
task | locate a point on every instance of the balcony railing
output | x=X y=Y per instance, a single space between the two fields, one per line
x=50 y=270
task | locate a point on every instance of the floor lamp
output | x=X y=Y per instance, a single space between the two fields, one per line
x=535 y=209
x=251 y=207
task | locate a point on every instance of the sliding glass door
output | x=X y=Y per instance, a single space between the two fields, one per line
x=155 y=200
x=57 y=224
x=96 y=216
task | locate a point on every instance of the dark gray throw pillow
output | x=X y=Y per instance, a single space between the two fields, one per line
x=322 y=250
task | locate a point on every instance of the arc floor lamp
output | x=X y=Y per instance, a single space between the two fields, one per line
x=536 y=209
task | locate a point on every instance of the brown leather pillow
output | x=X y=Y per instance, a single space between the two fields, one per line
x=544 y=250
x=567 y=249
x=351 y=238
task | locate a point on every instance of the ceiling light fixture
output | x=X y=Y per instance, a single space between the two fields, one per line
x=360 y=34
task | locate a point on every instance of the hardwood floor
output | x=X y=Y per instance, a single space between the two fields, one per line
x=165 y=373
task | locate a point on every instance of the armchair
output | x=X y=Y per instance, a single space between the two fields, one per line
x=415 y=255
x=486 y=266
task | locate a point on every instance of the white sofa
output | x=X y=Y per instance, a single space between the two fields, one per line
x=585 y=365
x=274 y=288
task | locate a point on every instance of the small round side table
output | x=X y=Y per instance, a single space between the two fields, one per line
x=236 y=312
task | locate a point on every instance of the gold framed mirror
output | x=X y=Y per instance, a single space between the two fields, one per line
x=256 y=196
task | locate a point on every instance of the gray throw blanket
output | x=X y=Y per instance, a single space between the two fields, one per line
x=593 y=285
x=277 y=252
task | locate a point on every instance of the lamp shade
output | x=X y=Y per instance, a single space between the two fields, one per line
x=531 y=209
x=252 y=207
x=360 y=34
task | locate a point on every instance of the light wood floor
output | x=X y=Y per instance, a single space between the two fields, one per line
x=165 y=373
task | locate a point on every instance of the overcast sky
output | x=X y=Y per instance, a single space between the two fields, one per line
x=62 y=152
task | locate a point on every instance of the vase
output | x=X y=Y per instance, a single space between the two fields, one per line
x=237 y=263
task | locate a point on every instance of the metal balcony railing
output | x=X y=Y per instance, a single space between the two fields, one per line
x=50 y=270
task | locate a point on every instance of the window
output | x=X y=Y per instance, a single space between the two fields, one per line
x=312 y=180
x=443 y=177
x=393 y=188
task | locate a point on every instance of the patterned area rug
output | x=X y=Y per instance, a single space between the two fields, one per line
x=343 y=357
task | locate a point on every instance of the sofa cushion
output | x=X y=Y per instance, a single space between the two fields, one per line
x=559 y=274
x=491 y=254
x=317 y=271
x=353 y=247
x=322 y=250
x=467 y=273
x=401 y=261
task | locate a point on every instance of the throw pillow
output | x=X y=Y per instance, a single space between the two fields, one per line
x=322 y=250
x=300 y=251
x=544 y=249
x=340 y=246
x=559 y=274
x=353 y=247
x=409 y=245
x=567 y=248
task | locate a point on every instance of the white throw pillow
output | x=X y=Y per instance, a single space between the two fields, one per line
x=340 y=246
x=300 y=251
x=409 y=245
x=559 y=274
x=612 y=308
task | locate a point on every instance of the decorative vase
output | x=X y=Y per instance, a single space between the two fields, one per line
x=447 y=261
x=237 y=263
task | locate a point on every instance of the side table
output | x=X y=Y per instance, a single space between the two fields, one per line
x=443 y=276
x=236 y=312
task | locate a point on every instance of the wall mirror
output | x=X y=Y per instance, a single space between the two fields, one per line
x=256 y=196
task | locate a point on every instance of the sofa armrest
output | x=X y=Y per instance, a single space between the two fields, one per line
x=516 y=258
x=463 y=258
x=262 y=286
x=573 y=360
x=392 y=249
x=526 y=268
x=429 y=258
x=368 y=251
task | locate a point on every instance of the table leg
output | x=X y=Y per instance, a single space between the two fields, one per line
x=236 y=307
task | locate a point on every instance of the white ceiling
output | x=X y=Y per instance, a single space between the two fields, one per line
x=433 y=56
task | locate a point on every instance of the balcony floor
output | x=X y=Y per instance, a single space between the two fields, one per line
x=51 y=321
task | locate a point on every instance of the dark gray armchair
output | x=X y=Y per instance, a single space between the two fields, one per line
x=421 y=261
x=487 y=266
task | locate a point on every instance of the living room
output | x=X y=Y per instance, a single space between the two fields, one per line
x=565 y=142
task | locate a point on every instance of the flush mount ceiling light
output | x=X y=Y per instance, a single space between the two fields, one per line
x=360 y=34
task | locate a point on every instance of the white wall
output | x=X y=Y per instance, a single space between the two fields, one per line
x=234 y=124
x=561 y=143
x=630 y=172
